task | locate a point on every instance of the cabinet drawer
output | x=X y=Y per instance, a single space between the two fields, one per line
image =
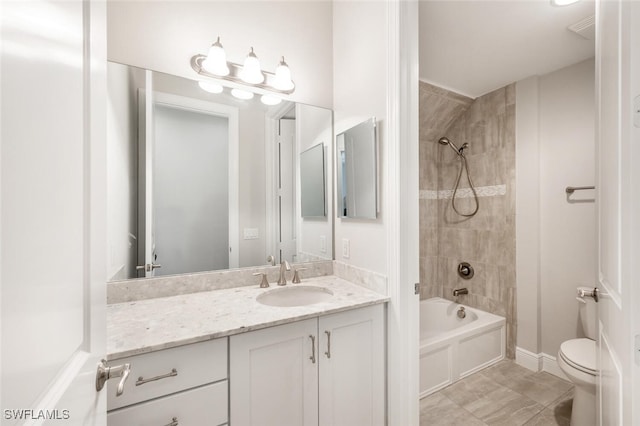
x=206 y=405
x=195 y=365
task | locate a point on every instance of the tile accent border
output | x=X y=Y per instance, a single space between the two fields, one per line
x=482 y=191
x=360 y=276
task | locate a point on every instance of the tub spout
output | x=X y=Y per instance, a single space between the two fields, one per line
x=458 y=291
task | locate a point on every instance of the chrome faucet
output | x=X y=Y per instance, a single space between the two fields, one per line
x=284 y=266
x=458 y=291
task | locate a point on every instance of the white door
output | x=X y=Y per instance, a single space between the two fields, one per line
x=617 y=83
x=188 y=184
x=52 y=220
x=351 y=368
x=273 y=376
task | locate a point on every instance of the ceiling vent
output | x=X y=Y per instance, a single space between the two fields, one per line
x=585 y=28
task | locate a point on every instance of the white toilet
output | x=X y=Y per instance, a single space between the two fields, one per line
x=577 y=359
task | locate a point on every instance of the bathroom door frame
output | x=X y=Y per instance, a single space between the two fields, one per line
x=271 y=156
x=401 y=209
x=145 y=172
x=618 y=183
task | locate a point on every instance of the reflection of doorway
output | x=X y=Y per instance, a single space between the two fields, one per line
x=190 y=180
x=286 y=207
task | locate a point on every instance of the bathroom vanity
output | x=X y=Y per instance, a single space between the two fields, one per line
x=223 y=357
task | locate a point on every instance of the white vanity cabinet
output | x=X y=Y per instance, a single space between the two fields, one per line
x=324 y=371
x=185 y=385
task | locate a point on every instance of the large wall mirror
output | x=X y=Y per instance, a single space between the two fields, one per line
x=357 y=171
x=199 y=181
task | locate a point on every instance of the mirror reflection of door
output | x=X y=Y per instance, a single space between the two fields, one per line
x=287 y=190
x=188 y=204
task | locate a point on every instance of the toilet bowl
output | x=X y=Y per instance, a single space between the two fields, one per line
x=577 y=359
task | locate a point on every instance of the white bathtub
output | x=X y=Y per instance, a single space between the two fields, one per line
x=452 y=348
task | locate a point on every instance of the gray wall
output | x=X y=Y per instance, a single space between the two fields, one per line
x=557 y=249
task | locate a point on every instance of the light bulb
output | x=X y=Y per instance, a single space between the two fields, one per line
x=563 y=2
x=270 y=100
x=282 y=80
x=242 y=94
x=216 y=60
x=251 y=72
x=211 y=87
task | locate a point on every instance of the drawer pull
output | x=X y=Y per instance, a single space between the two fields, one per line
x=174 y=422
x=328 y=352
x=313 y=348
x=142 y=381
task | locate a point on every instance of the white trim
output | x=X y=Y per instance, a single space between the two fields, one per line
x=528 y=360
x=400 y=209
x=550 y=365
x=539 y=362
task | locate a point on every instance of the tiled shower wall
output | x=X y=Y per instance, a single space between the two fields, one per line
x=486 y=240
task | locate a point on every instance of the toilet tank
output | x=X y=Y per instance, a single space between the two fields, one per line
x=588 y=313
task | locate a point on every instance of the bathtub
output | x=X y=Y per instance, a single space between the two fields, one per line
x=452 y=348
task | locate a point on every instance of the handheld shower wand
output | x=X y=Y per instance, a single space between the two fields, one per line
x=463 y=159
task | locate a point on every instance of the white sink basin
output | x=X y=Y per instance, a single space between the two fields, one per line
x=296 y=295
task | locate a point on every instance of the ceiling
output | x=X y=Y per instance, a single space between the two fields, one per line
x=475 y=46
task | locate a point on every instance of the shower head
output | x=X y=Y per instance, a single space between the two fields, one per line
x=445 y=141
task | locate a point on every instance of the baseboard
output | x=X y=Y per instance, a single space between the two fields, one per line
x=529 y=360
x=539 y=362
x=550 y=365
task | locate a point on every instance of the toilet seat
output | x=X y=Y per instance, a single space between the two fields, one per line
x=580 y=354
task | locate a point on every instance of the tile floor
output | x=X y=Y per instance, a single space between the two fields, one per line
x=504 y=394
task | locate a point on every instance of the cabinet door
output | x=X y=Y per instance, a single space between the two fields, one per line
x=352 y=367
x=274 y=377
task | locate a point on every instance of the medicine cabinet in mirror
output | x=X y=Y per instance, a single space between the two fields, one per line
x=199 y=181
x=312 y=182
x=356 y=153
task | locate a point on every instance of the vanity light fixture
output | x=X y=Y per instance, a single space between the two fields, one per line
x=270 y=100
x=282 y=80
x=216 y=60
x=210 y=86
x=242 y=94
x=250 y=75
x=251 y=72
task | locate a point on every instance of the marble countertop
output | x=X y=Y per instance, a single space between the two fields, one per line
x=154 y=324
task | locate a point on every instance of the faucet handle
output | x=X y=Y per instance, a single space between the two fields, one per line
x=296 y=277
x=264 y=283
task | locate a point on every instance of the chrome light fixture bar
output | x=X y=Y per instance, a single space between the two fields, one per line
x=279 y=82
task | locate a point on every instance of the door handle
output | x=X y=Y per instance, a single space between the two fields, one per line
x=105 y=373
x=148 y=267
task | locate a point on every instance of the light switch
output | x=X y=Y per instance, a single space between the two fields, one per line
x=636 y=111
x=251 y=233
x=323 y=244
x=346 y=250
